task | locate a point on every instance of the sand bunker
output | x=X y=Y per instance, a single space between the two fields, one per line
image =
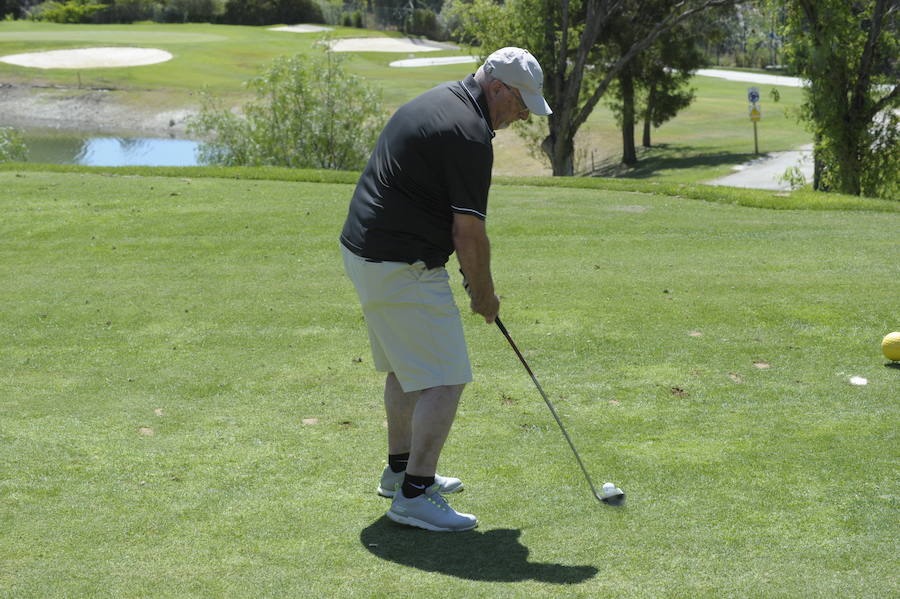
x=432 y=62
x=88 y=58
x=301 y=28
x=387 y=44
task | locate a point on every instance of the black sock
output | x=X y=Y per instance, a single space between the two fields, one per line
x=398 y=461
x=413 y=486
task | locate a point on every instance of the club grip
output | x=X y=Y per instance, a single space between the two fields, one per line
x=465 y=283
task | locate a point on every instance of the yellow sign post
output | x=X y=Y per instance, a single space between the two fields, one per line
x=755 y=116
x=755 y=113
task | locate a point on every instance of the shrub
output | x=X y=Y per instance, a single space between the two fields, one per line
x=246 y=12
x=332 y=12
x=352 y=19
x=298 y=11
x=12 y=146
x=129 y=11
x=423 y=21
x=189 y=11
x=73 y=11
x=268 y=12
x=451 y=20
x=308 y=113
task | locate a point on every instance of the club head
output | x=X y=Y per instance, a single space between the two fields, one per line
x=614 y=497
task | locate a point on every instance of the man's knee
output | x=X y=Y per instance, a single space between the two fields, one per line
x=445 y=392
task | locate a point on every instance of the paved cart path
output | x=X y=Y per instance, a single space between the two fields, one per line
x=764 y=172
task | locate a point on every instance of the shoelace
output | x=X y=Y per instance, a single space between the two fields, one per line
x=441 y=503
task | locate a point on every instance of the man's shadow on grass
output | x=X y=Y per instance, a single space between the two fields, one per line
x=492 y=555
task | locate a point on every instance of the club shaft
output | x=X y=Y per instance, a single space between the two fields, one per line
x=549 y=404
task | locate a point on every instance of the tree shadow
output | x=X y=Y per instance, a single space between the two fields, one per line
x=662 y=157
x=492 y=555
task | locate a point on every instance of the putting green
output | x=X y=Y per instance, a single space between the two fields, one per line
x=104 y=36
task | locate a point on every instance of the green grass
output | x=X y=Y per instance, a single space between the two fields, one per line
x=218 y=57
x=702 y=143
x=755 y=198
x=163 y=337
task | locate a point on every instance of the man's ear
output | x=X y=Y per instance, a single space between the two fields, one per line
x=495 y=87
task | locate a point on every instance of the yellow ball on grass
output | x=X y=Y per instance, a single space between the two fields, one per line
x=890 y=345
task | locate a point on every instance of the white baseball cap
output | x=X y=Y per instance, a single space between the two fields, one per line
x=519 y=69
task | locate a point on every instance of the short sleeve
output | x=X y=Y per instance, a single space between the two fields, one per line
x=467 y=175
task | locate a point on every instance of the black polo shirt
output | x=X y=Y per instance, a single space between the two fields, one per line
x=433 y=158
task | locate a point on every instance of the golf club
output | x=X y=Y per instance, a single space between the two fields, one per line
x=611 y=495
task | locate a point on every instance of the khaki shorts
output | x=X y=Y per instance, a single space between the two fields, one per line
x=414 y=325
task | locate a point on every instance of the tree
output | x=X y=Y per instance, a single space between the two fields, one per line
x=665 y=80
x=848 y=51
x=12 y=146
x=308 y=113
x=10 y=8
x=563 y=35
x=653 y=84
x=748 y=34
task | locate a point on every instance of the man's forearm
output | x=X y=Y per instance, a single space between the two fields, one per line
x=474 y=257
x=473 y=250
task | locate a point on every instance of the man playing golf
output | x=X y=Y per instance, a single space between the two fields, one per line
x=422 y=196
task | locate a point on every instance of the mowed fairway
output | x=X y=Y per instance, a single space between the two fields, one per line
x=163 y=340
x=219 y=58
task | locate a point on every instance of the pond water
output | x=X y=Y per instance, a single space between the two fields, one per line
x=111 y=151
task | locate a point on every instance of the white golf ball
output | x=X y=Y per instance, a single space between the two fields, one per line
x=608 y=488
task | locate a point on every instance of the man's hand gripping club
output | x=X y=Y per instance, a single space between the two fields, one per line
x=492 y=310
x=473 y=250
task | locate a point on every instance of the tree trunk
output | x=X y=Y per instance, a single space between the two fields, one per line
x=648 y=113
x=818 y=163
x=849 y=158
x=849 y=166
x=626 y=81
x=561 y=152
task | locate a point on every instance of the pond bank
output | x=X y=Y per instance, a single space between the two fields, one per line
x=109 y=111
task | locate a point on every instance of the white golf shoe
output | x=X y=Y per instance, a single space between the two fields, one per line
x=429 y=511
x=391 y=481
